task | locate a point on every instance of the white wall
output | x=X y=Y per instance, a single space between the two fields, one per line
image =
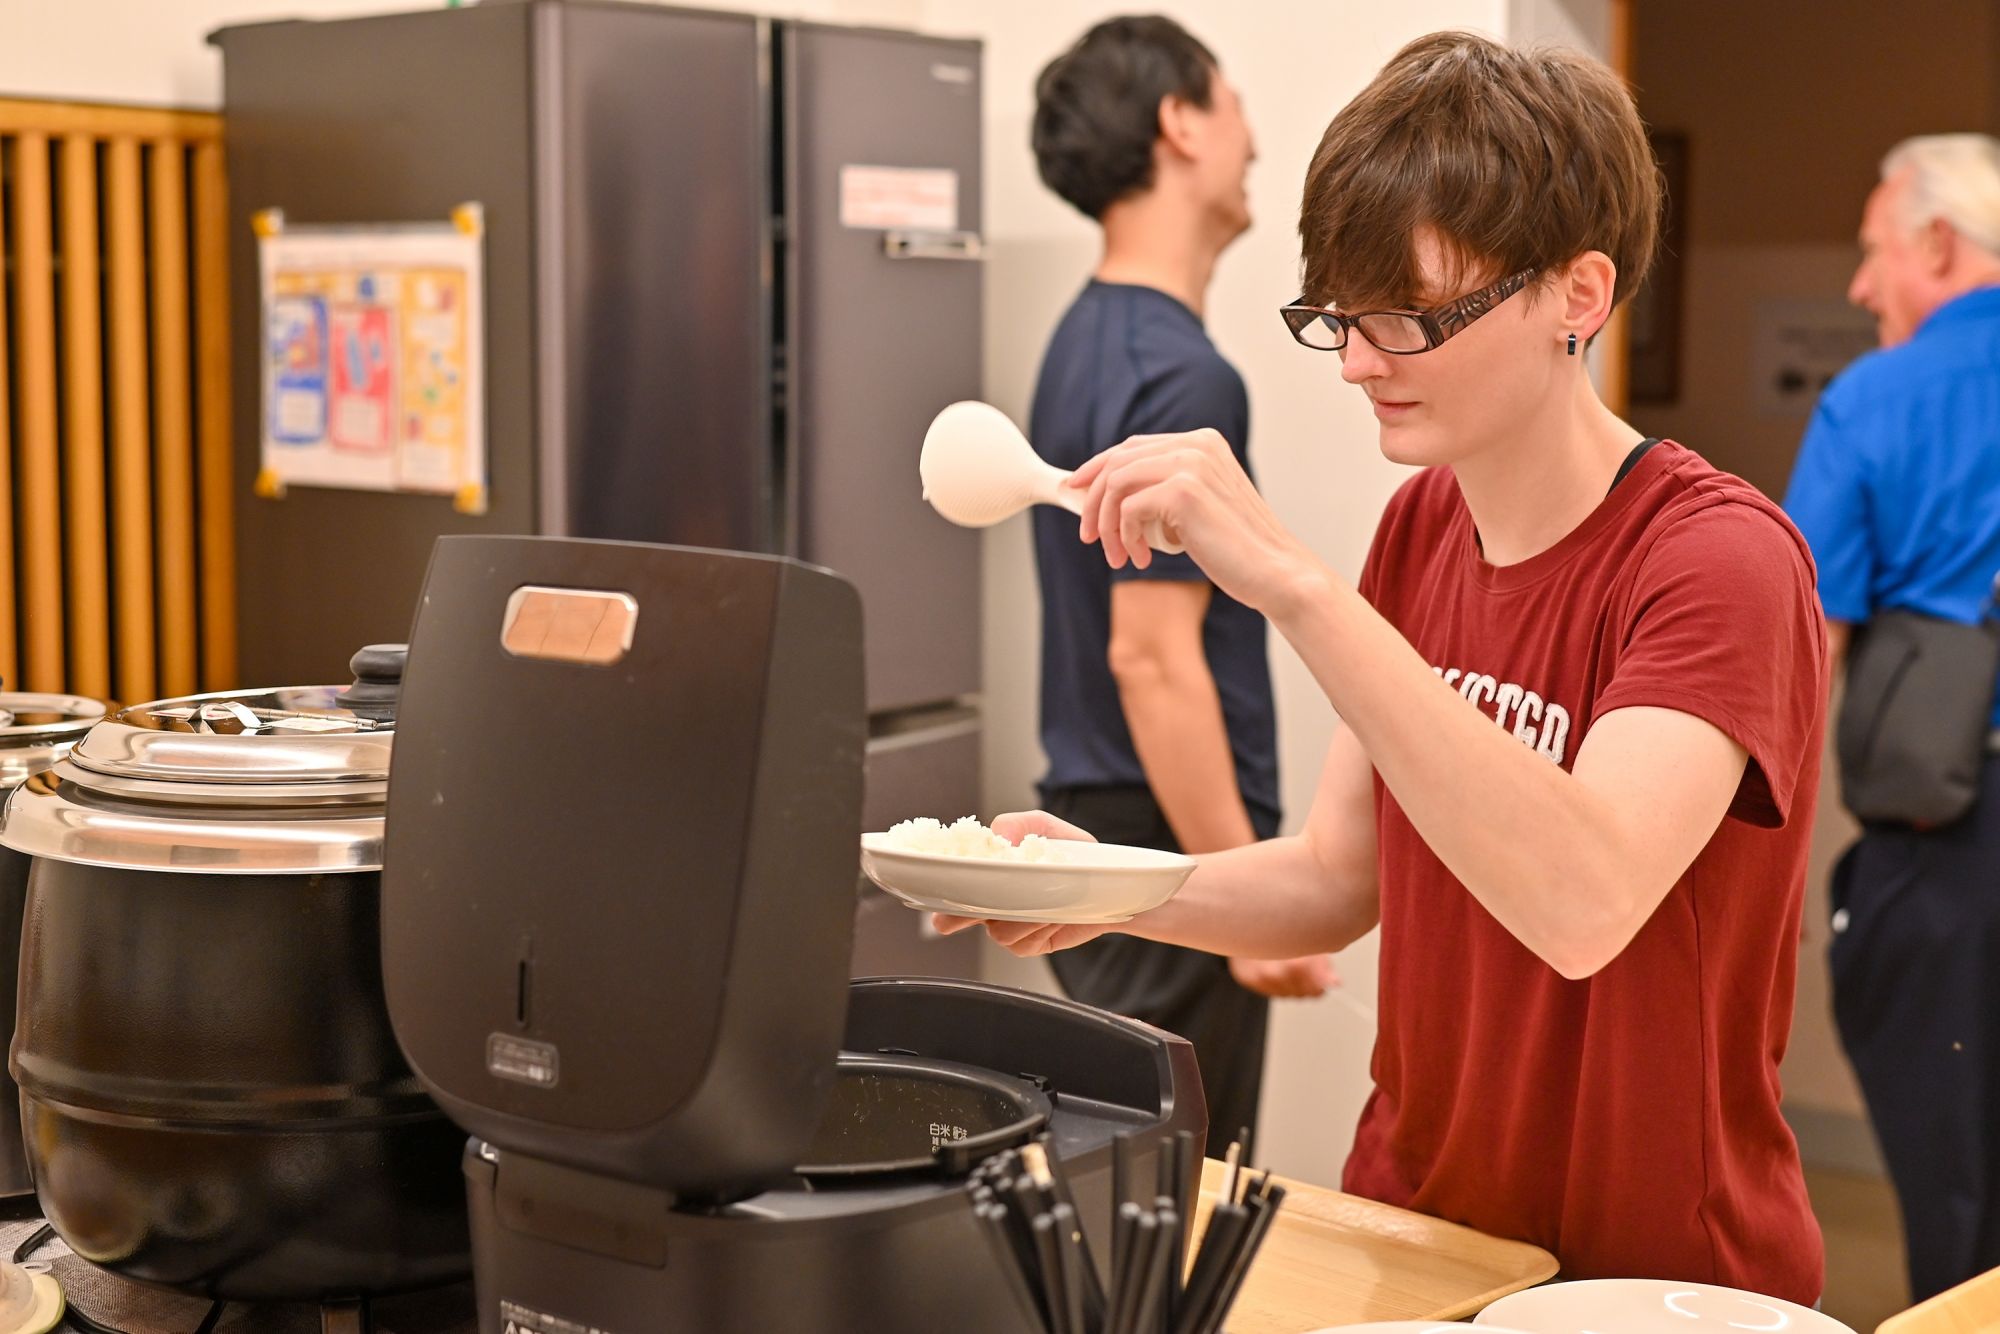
x=145 y=51
x=153 y=51
x=1584 y=24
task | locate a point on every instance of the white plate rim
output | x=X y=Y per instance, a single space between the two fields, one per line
x=1818 y=1322
x=1155 y=859
x=1410 y=1327
x=1045 y=917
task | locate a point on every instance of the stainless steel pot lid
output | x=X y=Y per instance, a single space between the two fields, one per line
x=288 y=737
x=37 y=729
x=273 y=781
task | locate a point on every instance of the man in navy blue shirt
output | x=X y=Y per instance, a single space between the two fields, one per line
x=1155 y=691
x=1897 y=488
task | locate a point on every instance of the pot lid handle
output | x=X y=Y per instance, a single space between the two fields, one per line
x=378 y=680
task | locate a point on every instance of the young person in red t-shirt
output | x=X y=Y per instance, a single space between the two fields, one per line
x=1581 y=684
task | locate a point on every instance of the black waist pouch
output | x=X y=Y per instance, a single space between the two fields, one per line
x=1913 y=727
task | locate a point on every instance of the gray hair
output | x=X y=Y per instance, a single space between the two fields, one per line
x=1954 y=178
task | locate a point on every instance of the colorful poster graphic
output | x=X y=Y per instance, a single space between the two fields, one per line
x=374 y=358
x=296 y=355
x=433 y=402
x=363 y=409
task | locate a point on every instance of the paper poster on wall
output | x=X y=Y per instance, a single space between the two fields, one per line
x=1798 y=345
x=374 y=357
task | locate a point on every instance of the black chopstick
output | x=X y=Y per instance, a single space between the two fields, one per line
x=1148 y=1309
x=1163 y=1285
x=1045 y=1164
x=1226 y=1225
x=1075 y=1260
x=1121 y=1195
x=1243 y=1160
x=1167 y=1174
x=1025 y=1205
x=993 y=1222
x=1188 y=1181
x=1264 y=1208
x=1125 y=1269
x=1049 y=1254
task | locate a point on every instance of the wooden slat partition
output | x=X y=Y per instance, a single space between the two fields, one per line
x=212 y=406
x=38 y=475
x=131 y=419
x=117 y=538
x=173 y=447
x=9 y=643
x=88 y=580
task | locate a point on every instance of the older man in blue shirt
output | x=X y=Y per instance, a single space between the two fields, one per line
x=1897 y=488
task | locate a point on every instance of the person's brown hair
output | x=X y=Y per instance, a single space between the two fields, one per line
x=1517 y=159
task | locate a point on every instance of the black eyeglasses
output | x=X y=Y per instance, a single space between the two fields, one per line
x=1401 y=332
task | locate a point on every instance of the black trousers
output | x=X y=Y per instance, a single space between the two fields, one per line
x=1916 y=993
x=1185 y=992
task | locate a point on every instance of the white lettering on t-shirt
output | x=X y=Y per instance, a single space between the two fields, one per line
x=1535 y=723
x=1529 y=718
x=1555 y=732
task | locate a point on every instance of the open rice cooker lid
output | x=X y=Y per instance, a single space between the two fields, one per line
x=671 y=907
x=269 y=781
x=37 y=729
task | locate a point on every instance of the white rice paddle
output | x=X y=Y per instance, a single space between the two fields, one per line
x=978 y=469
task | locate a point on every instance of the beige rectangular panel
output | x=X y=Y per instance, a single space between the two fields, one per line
x=579 y=625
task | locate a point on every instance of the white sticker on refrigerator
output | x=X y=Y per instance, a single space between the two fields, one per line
x=921 y=198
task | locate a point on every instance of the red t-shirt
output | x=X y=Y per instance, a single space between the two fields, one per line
x=1627 y=1122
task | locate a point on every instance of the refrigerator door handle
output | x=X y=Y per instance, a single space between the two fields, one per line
x=902 y=244
x=900 y=729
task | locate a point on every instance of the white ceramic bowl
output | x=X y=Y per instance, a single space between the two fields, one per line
x=1091 y=883
x=1652 y=1306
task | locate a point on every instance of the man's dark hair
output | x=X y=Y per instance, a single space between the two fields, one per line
x=1097 y=107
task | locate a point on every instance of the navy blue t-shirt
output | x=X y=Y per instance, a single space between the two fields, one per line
x=1128 y=361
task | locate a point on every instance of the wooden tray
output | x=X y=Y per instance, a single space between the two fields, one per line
x=1339 y=1259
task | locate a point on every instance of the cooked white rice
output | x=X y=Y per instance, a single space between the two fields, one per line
x=969 y=838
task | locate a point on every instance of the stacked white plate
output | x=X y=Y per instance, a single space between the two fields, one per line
x=1651 y=1306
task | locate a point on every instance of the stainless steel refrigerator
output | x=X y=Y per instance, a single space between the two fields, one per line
x=731 y=271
